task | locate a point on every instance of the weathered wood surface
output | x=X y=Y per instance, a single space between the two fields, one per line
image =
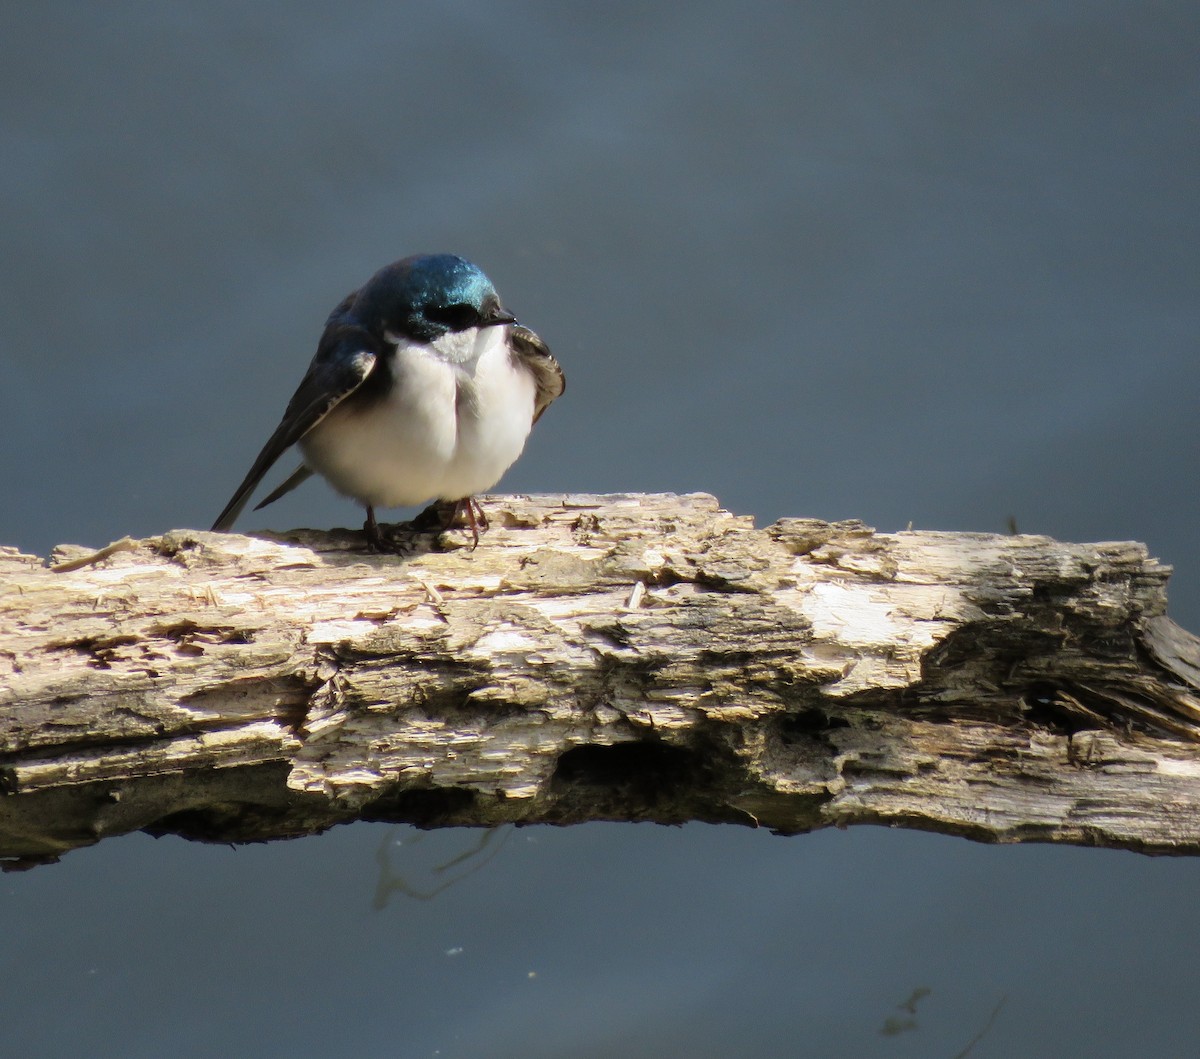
x=644 y=657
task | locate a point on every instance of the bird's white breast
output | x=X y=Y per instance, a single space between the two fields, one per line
x=455 y=420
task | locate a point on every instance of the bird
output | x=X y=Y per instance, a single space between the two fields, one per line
x=423 y=387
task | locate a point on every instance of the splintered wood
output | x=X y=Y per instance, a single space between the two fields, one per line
x=623 y=657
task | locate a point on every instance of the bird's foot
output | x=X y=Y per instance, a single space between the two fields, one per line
x=372 y=532
x=438 y=517
x=444 y=515
x=383 y=539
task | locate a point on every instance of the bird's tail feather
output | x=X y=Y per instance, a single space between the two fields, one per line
x=241 y=498
x=300 y=475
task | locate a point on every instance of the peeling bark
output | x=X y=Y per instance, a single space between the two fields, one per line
x=646 y=657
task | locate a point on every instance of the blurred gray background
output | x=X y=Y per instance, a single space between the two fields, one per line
x=933 y=263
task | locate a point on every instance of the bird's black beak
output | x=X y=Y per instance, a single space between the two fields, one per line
x=496 y=316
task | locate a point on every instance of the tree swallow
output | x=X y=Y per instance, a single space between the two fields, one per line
x=423 y=387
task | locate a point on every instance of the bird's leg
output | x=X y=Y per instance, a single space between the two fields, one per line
x=372 y=532
x=476 y=519
x=449 y=514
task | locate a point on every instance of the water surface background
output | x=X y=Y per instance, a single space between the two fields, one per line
x=932 y=264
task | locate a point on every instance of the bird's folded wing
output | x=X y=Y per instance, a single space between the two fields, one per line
x=548 y=377
x=329 y=381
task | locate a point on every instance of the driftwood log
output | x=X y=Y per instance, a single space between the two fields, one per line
x=645 y=657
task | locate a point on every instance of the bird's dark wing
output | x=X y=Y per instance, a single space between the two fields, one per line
x=336 y=372
x=536 y=356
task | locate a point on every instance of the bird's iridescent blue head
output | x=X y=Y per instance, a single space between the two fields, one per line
x=428 y=295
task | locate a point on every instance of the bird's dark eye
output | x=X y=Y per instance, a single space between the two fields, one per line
x=457 y=317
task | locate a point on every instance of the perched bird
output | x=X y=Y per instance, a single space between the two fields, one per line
x=423 y=387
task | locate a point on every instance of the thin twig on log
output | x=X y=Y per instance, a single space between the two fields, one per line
x=642 y=657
